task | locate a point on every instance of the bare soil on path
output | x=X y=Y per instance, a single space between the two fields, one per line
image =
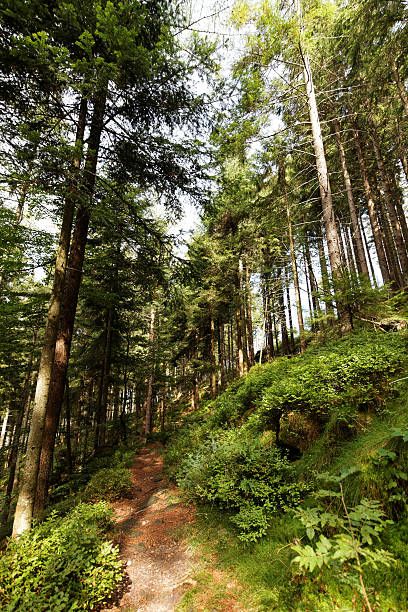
x=148 y=528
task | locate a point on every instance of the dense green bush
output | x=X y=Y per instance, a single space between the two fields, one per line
x=343 y=377
x=218 y=457
x=106 y=478
x=108 y=484
x=243 y=474
x=62 y=564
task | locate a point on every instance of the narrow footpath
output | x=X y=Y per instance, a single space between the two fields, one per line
x=148 y=528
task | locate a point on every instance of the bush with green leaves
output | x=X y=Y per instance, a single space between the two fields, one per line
x=108 y=484
x=64 y=563
x=245 y=475
x=346 y=540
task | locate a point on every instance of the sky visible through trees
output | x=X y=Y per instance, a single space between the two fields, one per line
x=188 y=191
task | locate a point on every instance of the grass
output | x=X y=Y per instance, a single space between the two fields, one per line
x=262 y=575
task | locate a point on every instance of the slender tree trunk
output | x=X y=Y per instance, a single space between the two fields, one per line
x=101 y=408
x=369 y=258
x=4 y=427
x=248 y=318
x=268 y=315
x=26 y=497
x=15 y=450
x=68 y=426
x=394 y=220
x=389 y=245
x=355 y=227
x=242 y=318
x=372 y=213
x=149 y=395
x=312 y=280
x=213 y=359
x=349 y=250
x=401 y=149
x=221 y=353
x=400 y=86
x=296 y=281
x=292 y=337
x=308 y=290
x=333 y=242
x=240 y=348
x=282 y=313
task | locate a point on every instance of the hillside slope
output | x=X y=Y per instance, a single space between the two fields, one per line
x=261 y=452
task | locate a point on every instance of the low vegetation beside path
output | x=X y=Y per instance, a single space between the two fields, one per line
x=301 y=472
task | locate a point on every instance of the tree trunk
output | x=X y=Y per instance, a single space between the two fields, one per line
x=282 y=313
x=242 y=316
x=332 y=237
x=296 y=281
x=400 y=86
x=394 y=220
x=26 y=497
x=292 y=337
x=213 y=359
x=375 y=227
x=149 y=394
x=68 y=426
x=70 y=300
x=101 y=408
x=312 y=280
x=355 y=227
x=240 y=348
x=248 y=318
x=4 y=427
x=221 y=353
x=369 y=258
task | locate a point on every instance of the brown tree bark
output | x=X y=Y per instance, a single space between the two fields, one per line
x=312 y=280
x=150 y=381
x=372 y=212
x=282 y=314
x=248 y=318
x=355 y=227
x=69 y=303
x=287 y=288
x=390 y=208
x=332 y=236
x=240 y=344
x=213 y=359
x=400 y=86
x=325 y=278
x=369 y=258
x=102 y=403
x=26 y=497
x=296 y=281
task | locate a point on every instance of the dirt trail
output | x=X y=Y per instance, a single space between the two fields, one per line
x=158 y=563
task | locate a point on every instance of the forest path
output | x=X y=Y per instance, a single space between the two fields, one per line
x=148 y=526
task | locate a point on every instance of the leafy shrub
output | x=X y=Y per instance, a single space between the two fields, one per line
x=108 y=484
x=240 y=473
x=62 y=564
x=342 y=377
x=121 y=457
x=346 y=541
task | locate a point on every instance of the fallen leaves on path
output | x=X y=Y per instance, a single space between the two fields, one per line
x=148 y=525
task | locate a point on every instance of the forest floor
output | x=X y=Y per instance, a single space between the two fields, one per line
x=152 y=528
x=148 y=529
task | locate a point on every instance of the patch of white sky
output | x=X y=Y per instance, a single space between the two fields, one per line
x=212 y=19
x=209 y=19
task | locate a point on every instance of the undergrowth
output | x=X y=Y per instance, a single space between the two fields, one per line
x=67 y=562
x=64 y=563
x=342 y=407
